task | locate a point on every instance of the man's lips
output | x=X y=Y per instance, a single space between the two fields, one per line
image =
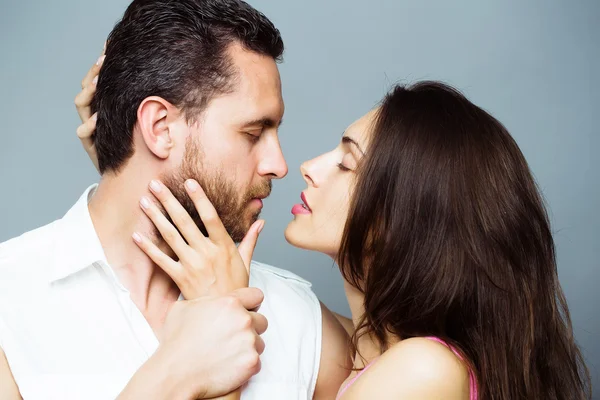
x=257 y=201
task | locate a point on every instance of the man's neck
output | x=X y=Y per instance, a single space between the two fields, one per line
x=116 y=215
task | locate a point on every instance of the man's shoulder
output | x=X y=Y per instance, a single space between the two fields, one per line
x=284 y=291
x=295 y=328
x=271 y=273
x=25 y=252
x=34 y=243
x=25 y=256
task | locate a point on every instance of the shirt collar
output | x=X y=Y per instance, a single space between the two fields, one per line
x=78 y=245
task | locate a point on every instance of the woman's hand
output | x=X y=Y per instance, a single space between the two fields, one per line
x=210 y=265
x=83 y=102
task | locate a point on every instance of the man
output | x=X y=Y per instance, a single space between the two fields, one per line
x=189 y=89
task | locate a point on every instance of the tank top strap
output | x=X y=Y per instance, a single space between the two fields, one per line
x=472 y=381
x=347 y=385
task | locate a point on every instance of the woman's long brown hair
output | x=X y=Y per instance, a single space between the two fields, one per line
x=448 y=236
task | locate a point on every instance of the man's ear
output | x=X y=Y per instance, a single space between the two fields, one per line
x=153 y=117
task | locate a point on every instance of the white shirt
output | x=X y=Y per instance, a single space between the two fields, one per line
x=70 y=330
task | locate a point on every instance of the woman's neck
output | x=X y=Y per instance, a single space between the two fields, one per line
x=368 y=347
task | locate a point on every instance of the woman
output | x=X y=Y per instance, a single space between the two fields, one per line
x=431 y=212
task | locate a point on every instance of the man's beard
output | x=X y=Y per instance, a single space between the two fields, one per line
x=231 y=206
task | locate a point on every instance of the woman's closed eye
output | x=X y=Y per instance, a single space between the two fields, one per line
x=348 y=163
x=343 y=167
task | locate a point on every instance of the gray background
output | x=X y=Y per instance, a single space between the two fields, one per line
x=533 y=64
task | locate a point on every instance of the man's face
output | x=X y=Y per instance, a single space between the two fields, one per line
x=233 y=150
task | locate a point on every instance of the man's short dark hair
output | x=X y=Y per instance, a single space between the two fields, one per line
x=174 y=49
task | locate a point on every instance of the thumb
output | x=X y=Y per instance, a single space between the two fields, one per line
x=247 y=245
x=250 y=297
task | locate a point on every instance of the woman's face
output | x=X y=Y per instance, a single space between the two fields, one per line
x=319 y=221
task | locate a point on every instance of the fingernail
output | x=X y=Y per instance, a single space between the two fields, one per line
x=100 y=60
x=137 y=237
x=261 y=226
x=145 y=202
x=95 y=80
x=155 y=186
x=95 y=117
x=191 y=185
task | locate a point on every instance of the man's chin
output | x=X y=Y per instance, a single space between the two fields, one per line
x=246 y=225
x=238 y=233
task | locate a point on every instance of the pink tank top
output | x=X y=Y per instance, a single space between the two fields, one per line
x=472 y=382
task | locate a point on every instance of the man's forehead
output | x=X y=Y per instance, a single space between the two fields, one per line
x=255 y=93
x=260 y=107
x=238 y=107
x=257 y=80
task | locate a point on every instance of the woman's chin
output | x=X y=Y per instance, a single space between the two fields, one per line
x=298 y=237
x=301 y=238
x=292 y=235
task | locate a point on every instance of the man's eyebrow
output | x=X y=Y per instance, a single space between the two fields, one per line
x=349 y=140
x=265 y=121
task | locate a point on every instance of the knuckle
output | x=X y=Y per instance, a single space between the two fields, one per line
x=81 y=132
x=261 y=347
x=184 y=279
x=169 y=235
x=258 y=293
x=263 y=321
x=209 y=218
x=179 y=217
x=215 y=250
x=246 y=321
x=232 y=301
x=228 y=253
x=237 y=303
x=257 y=367
x=245 y=340
x=251 y=361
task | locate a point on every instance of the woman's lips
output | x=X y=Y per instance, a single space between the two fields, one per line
x=303 y=197
x=301 y=209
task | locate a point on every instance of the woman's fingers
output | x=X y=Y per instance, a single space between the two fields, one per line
x=92 y=72
x=246 y=247
x=183 y=221
x=168 y=232
x=216 y=231
x=85 y=133
x=83 y=100
x=166 y=263
x=86 y=130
